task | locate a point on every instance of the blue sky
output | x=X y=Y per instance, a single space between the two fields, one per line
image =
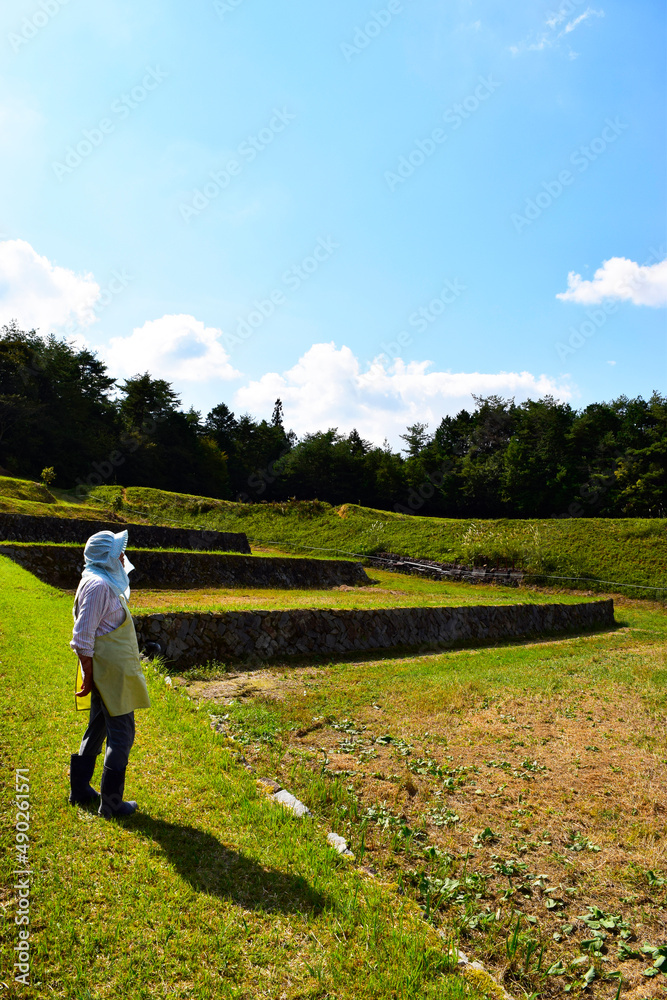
x=368 y=210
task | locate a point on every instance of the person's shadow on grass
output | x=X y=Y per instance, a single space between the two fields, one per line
x=210 y=867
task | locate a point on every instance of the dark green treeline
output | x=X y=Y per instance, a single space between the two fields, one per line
x=60 y=408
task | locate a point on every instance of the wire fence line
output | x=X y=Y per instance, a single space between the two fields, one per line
x=525 y=574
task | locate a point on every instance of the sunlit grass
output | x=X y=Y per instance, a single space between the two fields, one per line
x=210 y=890
x=389 y=590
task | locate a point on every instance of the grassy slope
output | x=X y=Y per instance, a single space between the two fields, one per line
x=22 y=496
x=624 y=550
x=211 y=891
x=25 y=489
x=627 y=550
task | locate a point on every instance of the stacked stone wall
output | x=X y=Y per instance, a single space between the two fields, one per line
x=30 y=528
x=193 y=639
x=61 y=566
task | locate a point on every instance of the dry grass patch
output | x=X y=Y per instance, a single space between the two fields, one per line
x=517 y=793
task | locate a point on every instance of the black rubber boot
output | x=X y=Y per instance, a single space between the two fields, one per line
x=112 y=786
x=80 y=772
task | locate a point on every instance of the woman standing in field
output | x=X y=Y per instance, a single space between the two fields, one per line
x=109 y=676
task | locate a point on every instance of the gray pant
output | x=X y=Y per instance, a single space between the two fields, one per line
x=118 y=730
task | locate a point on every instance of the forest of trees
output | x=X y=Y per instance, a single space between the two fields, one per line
x=60 y=408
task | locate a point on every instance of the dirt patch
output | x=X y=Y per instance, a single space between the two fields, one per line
x=548 y=807
x=373 y=589
x=247 y=684
x=535 y=820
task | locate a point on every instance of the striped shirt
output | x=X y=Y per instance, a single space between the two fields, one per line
x=98 y=611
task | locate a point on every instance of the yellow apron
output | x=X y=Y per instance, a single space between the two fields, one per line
x=117 y=670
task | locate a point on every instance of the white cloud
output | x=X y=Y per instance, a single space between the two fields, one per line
x=623 y=279
x=556 y=19
x=538 y=46
x=551 y=38
x=42 y=295
x=542 y=42
x=329 y=387
x=575 y=22
x=174 y=347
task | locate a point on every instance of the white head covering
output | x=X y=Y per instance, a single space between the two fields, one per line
x=102 y=554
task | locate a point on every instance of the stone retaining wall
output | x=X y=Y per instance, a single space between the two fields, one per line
x=29 y=528
x=61 y=566
x=192 y=639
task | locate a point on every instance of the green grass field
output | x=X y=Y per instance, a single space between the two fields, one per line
x=211 y=891
x=509 y=799
x=389 y=590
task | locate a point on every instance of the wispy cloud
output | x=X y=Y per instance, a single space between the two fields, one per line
x=589 y=12
x=558 y=28
x=554 y=20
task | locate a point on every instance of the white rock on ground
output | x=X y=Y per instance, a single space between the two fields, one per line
x=291 y=802
x=339 y=844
